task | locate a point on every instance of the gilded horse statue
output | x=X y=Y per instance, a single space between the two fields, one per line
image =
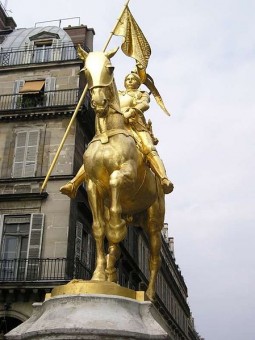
x=120 y=185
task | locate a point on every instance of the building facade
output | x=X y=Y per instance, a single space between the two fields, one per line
x=42 y=235
x=45 y=238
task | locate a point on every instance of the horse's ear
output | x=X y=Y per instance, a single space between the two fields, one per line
x=111 y=53
x=81 y=53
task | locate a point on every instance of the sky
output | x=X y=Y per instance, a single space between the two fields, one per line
x=203 y=65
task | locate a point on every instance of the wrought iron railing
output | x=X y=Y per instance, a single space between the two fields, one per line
x=45 y=99
x=42 y=270
x=37 y=54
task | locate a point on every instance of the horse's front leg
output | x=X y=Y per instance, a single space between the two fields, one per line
x=116 y=227
x=98 y=229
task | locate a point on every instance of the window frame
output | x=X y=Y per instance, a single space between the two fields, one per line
x=29 y=267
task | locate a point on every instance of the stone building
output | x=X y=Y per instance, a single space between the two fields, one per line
x=45 y=238
x=42 y=234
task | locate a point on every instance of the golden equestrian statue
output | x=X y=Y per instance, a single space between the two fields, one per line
x=118 y=180
x=124 y=175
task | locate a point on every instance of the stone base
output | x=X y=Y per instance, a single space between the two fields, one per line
x=94 y=317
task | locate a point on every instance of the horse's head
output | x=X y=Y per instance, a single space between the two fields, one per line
x=99 y=74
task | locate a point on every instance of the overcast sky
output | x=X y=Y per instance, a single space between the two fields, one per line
x=203 y=64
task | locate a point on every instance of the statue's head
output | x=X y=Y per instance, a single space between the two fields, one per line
x=132 y=81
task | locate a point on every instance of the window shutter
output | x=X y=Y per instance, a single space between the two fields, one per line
x=35 y=237
x=28 y=52
x=1 y=229
x=16 y=100
x=89 y=252
x=57 y=49
x=25 y=153
x=50 y=84
x=34 y=246
x=19 y=154
x=31 y=153
x=78 y=240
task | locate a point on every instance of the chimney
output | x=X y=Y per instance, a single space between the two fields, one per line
x=81 y=35
x=171 y=245
x=164 y=231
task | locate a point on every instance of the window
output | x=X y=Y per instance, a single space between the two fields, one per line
x=25 y=153
x=33 y=93
x=83 y=246
x=21 y=246
x=42 y=48
x=42 y=51
x=84 y=252
x=87 y=251
x=45 y=50
x=78 y=240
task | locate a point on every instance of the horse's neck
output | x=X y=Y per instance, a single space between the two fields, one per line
x=113 y=119
x=112 y=122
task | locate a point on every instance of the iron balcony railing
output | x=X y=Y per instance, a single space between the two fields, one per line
x=44 y=99
x=32 y=54
x=43 y=270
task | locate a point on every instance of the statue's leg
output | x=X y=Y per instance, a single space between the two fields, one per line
x=98 y=229
x=70 y=188
x=155 y=161
x=154 y=226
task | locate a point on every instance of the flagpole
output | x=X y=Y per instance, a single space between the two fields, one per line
x=118 y=20
x=76 y=111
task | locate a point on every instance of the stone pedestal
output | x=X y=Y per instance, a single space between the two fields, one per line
x=92 y=316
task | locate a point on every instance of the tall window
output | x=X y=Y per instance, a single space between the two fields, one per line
x=84 y=251
x=46 y=50
x=25 y=153
x=42 y=51
x=20 y=245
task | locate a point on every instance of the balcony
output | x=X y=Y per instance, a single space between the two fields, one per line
x=41 y=270
x=40 y=100
x=36 y=55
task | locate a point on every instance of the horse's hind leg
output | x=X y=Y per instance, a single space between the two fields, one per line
x=154 y=226
x=98 y=229
x=111 y=258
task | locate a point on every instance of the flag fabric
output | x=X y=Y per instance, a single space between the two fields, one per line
x=134 y=44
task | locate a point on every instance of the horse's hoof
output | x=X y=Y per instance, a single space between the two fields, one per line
x=111 y=275
x=99 y=276
x=69 y=190
x=151 y=294
x=167 y=186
